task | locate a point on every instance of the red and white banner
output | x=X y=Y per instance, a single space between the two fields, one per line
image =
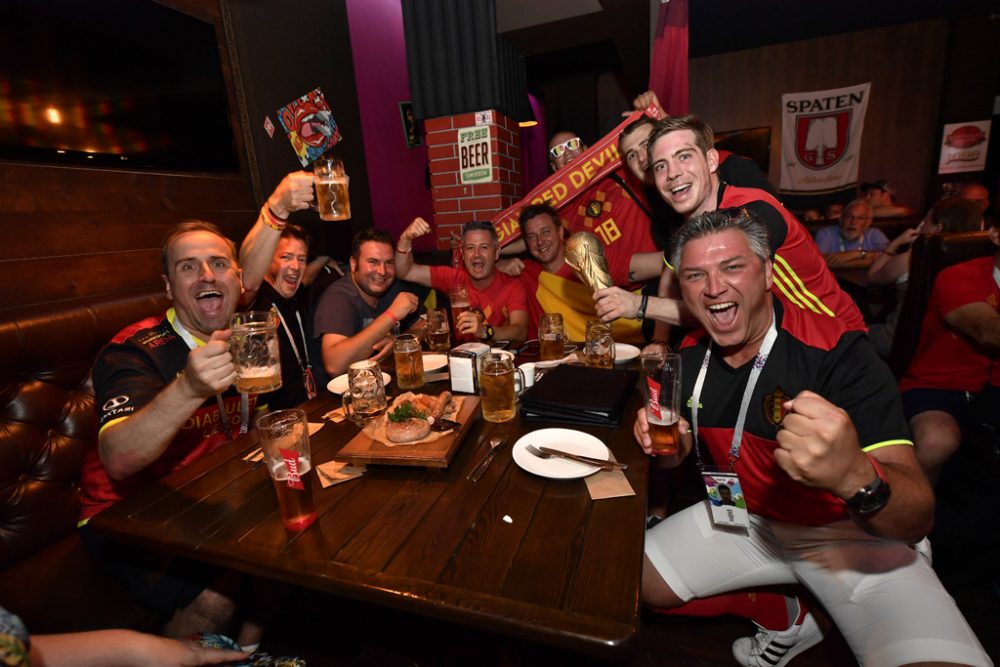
x=821 y=139
x=562 y=187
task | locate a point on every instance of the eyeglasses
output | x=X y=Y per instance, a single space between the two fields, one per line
x=861 y=218
x=569 y=145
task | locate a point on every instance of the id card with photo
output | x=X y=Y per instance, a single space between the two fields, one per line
x=725 y=499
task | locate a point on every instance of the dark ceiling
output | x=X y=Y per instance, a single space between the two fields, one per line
x=617 y=38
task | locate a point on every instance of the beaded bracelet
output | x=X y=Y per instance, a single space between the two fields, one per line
x=271 y=220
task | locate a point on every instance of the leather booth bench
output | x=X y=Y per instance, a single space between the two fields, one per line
x=47 y=423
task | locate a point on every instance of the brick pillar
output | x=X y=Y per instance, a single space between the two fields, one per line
x=455 y=203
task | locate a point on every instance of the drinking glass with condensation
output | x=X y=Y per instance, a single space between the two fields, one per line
x=284 y=439
x=436 y=333
x=662 y=391
x=254 y=346
x=551 y=337
x=496 y=384
x=409 y=362
x=599 y=347
x=364 y=399
x=332 y=199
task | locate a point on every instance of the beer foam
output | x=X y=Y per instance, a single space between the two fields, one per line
x=258 y=372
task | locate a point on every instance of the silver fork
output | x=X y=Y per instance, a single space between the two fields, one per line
x=586 y=460
x=495 y=445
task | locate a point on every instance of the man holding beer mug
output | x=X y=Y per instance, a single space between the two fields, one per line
x=796 y=409
x=498 y=303
x=355 y=318
x=165 y=397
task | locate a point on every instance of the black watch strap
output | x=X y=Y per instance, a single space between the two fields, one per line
x=871 y=497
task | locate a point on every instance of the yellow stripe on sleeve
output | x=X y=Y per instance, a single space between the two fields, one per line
x=113 y=421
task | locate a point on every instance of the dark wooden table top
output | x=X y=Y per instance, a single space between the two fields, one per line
x=513 y=553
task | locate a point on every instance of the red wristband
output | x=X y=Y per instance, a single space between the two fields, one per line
x=391 y=317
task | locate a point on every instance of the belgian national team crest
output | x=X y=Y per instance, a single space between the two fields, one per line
x=774 y=409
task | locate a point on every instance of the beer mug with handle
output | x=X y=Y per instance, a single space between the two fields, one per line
x=365 y=396
x=496 y=384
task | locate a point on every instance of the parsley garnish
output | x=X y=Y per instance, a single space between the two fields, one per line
x=404 y=411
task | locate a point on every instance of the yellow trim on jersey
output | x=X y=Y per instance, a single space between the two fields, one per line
x=886 y=443
x=113 y=421
x=171 y=316
x=796 y=284
x=83 y=522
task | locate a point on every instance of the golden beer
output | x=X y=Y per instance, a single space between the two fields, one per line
x=298 y=511
x=600 y=357
x=550 y=346
x=438 y=341
x=409 y=362
x=254 y=346
x=664 y=432
x=332 y=199
x=497 y=388
x=599 y=348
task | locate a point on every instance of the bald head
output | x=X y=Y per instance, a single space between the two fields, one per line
x=977 y=194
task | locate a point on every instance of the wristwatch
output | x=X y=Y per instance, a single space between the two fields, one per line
x=872 y=497
x=489 y=331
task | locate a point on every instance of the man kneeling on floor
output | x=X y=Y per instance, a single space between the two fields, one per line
x=803 y=421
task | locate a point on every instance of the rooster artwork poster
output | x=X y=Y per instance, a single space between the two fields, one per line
x=310 y=126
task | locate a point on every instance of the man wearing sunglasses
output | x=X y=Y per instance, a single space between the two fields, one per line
x=613 y=211
x=564 y=148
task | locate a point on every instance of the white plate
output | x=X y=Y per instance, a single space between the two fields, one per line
x=566 y=439
x=625 y=352
x=433 y=362
x=338 y=385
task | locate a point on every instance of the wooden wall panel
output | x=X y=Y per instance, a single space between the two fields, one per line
x=73 y=232
x=904 y=63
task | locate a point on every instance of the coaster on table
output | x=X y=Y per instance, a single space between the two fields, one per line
x=609 y=484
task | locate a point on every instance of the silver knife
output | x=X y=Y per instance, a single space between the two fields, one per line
x=585 y=459
x=481 y=467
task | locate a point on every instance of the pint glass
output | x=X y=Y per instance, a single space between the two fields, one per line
x=284 y=439
x=662 y=391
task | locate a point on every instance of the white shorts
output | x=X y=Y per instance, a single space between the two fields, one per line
x=883 y=596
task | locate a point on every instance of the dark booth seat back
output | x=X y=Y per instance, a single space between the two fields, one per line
x=930 y=255
x=47 y=420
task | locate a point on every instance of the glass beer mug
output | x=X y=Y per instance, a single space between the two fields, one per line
x=599 y=348
x=496 y=384
x=365 y=396
x=254 y=346
x=332 y=199
x=551 y=337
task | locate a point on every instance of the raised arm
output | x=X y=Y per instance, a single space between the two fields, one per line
x=339 y=351
x=643 y=266
x=294 y=193
x=893 y=263
x=130 y=445
x=405 y=266
x=818 y=447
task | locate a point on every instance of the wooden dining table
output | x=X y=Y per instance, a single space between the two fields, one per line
x=513 y=553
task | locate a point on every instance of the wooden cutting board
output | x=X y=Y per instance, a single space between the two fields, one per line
x=436 y=454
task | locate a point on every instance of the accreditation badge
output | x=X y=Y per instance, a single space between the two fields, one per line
x=726 y=502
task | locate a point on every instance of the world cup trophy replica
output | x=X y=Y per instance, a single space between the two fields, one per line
x=585 y=255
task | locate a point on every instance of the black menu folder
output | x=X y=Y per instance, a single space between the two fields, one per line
x=579 y=395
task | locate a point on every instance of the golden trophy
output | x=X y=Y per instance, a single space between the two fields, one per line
x=585 y=255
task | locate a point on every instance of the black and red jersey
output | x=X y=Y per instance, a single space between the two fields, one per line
x=843 y=369
x=801 y=277
x=127 y=376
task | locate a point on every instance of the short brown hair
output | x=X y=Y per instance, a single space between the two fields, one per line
x=187 y=227
x=370 y=234
x=703 y=136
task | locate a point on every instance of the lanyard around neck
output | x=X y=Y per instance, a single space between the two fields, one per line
x=755 y=371
x=291 y=338
x=192 y=343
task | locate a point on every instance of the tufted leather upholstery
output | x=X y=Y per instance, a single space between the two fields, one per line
x=47 y=423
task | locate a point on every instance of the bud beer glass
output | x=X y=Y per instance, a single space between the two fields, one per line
x=254 y=346
x=284 y=439
x=551 y=337
x=662 y=390
x=332 y=200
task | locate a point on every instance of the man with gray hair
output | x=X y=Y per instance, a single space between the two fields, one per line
x=799 y=414
x=854 y=243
